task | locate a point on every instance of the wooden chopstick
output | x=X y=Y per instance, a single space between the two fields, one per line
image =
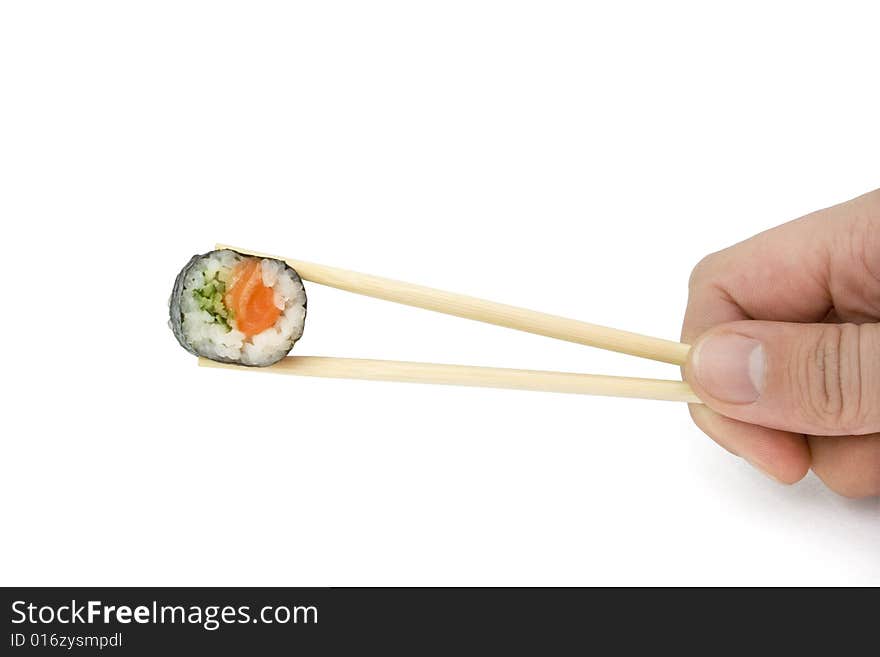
x=466 y=375
x=460 y=305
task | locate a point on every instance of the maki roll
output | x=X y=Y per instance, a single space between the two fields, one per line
x=237 y=308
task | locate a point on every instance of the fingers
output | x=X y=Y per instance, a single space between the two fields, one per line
x=782 y=455
x=796 y=272
x=849 y=465
x=819 y=379
x=793 y=379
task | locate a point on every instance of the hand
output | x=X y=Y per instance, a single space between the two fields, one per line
x=786 y=347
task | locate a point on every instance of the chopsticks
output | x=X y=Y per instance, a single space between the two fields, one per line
x=467 y=375
x=468 y=307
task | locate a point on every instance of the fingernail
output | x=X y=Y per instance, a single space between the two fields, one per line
x=730 y=367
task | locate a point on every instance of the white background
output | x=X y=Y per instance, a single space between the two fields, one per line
x=567 y=157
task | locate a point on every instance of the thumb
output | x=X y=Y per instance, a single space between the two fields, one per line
x=820 y=379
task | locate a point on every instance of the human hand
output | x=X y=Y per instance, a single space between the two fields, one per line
x=786 y=347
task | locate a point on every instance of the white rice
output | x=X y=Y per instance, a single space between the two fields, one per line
x=213 y=340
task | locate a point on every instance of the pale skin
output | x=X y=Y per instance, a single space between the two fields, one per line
x=786 y=348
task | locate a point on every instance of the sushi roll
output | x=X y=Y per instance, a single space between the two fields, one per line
x=236 y=308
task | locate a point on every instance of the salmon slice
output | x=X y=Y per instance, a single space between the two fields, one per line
x=252 y=303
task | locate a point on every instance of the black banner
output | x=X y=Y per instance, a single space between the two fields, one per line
x=151 y=621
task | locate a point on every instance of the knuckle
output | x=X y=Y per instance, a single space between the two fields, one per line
x=701 y=269
x=872 y=201
x=864 y=242
x=829 y=379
